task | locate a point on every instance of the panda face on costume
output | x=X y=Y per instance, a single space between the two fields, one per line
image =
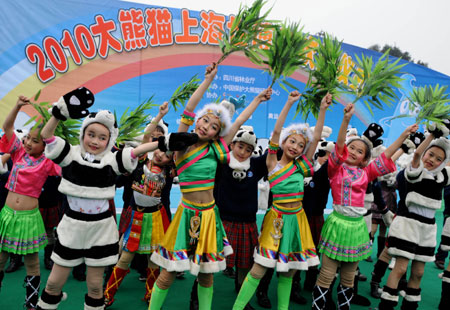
x=239 y=174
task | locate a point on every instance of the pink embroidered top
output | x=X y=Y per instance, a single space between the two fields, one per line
x=349 y=183
x=28 y=174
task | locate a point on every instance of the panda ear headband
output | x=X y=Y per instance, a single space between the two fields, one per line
x=245 y=134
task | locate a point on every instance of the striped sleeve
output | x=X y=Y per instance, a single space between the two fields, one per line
x=305 y=166
x=221 y=149
x=10 y=146
x=414 y=175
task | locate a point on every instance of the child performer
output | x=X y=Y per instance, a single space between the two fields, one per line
x=412 y=235
x=22 y=230
x=345 y=238
x=87 y=232
x=196 y=239
x=148 y=220
x=445 y=246
x=285 y=241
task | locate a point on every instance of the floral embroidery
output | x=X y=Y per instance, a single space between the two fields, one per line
x=352 y=176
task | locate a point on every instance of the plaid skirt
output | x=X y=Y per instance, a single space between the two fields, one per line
x=243 y=238
x=316 y=224
x=50 y=216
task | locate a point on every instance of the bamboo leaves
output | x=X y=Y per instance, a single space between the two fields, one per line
x=325 y=78
x=247 y=25
x=375 y=83
x=431 y=103
x=286 y=54
x=184 y=92
x=132 y=124
x=68 y=130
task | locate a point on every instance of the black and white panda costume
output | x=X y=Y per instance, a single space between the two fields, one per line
x=413 y=235
x=88 y=232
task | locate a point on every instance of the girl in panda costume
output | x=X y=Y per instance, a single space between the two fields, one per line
x=285 y=242
x=412 y=235
x=87 y=232
x=345 y=238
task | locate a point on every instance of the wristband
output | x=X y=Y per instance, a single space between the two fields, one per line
x=187 y=118
x=273 y=147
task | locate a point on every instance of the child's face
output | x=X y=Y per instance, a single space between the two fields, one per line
x=207 y=127
x=96 y=138
x=33 y=144
x=356 y=153
x=157 y=133
x=241 y=150
x=433 y=158
x=294 y=146
x=160 y=158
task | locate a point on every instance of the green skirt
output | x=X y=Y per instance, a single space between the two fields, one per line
x=345 y=238
x=21 y=232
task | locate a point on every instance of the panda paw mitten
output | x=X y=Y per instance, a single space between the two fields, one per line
x=176 y=141
x=74 y=104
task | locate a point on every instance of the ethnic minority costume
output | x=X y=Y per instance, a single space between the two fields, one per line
x=23 y=232
x=285 y=241
x=344 y=235
x=146 y=228
x=196 y=239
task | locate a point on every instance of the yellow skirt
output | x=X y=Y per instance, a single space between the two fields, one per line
x=195 y=240
x=286 y=241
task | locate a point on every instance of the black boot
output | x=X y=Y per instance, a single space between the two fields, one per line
x=32 y=285
x=48 y=263
x=444 y=304
x=193 y=303
x=48 y=301
x=389 y=298
x=381 y=243
x=319 y=297
x=378 y=273
x=411 y=299
x=310 y=279
x=79 y=272
x=263 y=288
x=295 y=291
x=358 y=299
x=15 y=262
x=344 y=295
x=94 y=303
x=2 y=275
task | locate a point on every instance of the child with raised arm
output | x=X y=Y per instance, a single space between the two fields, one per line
x=22 y=230
x=345 y=238
x=87 y=232
x=196 y=239
x=412 y=234
x=285 y=242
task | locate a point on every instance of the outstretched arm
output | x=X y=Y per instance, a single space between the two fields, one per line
x=324 y=105
x=248 y=111
x=8 y=124
x=163 y=110
x=349 y=110
x=145 y=148
x=389 y=152
x=271 y=160
x=210 y=73
x=49 y=129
